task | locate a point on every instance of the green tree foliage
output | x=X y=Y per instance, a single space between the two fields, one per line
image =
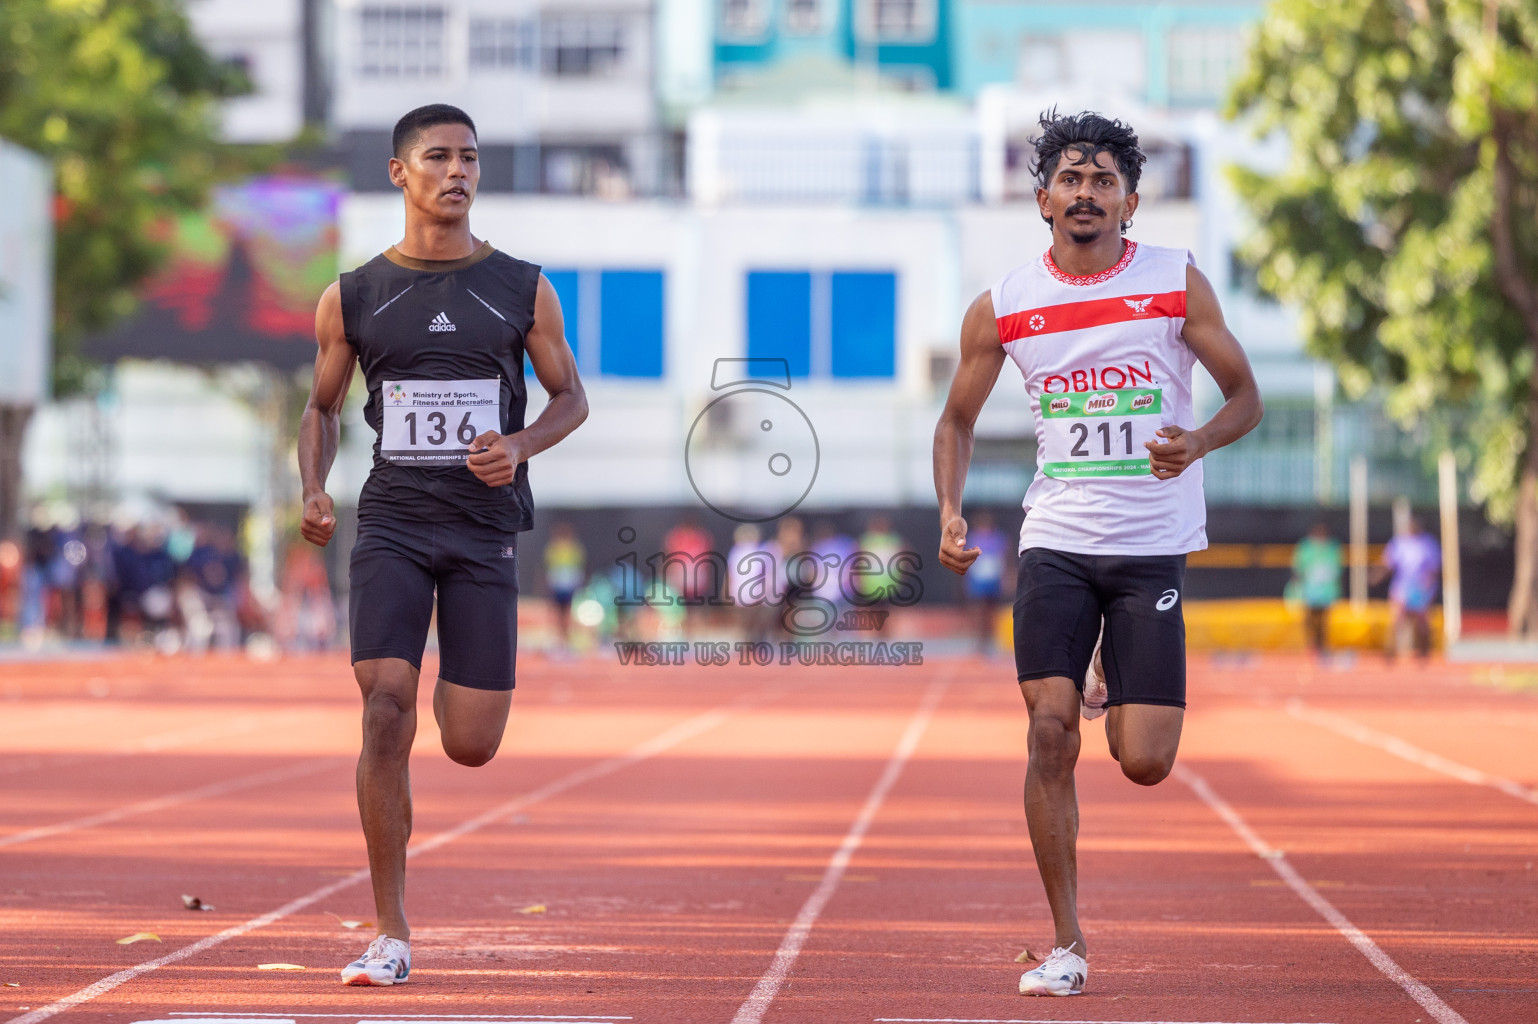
x=1405 y=225
x=120 y=96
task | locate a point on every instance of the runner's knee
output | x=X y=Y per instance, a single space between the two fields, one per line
x=472 y=752
x=1054 y=745
x=389 y=725
x=1145 y=769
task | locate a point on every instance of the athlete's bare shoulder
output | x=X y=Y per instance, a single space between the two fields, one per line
x=980 y=325
x=1202 y=305
x=331 y=297
x=328 y=316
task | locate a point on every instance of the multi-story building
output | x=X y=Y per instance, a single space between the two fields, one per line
x=561 y=90
x=275 y=43
x=908 y=41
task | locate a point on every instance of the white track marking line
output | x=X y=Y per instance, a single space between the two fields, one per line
x=685 y=730
x=409 y=1017
x=1414 y=988
x=160 y=803
x=1408 y=751
x=213 y=1015
x=756 y=1005
x=1044 y=1020
x=222 y=1020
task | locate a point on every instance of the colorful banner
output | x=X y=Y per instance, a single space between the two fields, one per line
x=243 y=280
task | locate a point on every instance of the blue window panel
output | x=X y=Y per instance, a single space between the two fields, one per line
x=780 y=318
x=631 y=317
x=565 y=284
x=864 y=324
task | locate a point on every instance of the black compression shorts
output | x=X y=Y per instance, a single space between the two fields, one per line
x=397 y=564
x=1060 y=599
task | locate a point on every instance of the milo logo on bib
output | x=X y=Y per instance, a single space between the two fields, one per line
x=1099 y=434
x=1100 y=403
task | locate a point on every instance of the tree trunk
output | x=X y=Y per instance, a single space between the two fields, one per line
x=1522 y=608
x=13 y=429
x=1512 y=277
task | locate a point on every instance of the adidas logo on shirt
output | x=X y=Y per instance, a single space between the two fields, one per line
x=441 y=323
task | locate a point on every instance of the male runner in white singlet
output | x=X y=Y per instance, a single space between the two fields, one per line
x=1105 y=332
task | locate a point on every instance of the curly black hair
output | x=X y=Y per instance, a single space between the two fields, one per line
x=1090 y=134
x=414 y=122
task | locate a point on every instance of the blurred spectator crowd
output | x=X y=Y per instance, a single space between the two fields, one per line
x=160 y=581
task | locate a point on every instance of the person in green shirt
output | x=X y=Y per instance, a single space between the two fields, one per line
x=1316 y=580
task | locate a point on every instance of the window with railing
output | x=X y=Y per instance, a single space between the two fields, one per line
x=743 y=19
x=899 y=21
x=504 y=44
x=803 y=17
x=1202 y=63
x=581 y=45
x=401 y=40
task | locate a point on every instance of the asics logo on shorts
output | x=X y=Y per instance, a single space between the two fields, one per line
x=1167 y=600
x=441 y=323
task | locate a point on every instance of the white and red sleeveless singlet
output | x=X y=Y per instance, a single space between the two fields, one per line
x=1105 y=366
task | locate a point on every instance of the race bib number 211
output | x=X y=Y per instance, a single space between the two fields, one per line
x=1091 y=434
x=432 y=422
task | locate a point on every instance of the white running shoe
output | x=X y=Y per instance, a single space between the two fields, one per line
x=1092 y=703
x=387 y=961
x=1061 y=974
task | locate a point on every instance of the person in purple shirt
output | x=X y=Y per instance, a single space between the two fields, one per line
x=1414 y=560
x=984 y=584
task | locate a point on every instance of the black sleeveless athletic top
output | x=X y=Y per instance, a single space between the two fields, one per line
x=442 y=320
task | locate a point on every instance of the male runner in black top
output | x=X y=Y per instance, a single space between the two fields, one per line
x=440 y=324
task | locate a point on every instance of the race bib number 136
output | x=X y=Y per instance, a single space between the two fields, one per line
x=1090 y=434
x=432 y=422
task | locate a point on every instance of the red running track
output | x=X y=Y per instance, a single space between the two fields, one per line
x=768 y=845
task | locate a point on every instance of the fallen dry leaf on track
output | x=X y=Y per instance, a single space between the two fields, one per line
x=534 y=908
x=193 y=903
x=350 y=924
x=138 y=937
x=279 y=967
x=1027 y=957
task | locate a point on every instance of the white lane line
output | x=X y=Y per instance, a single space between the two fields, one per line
x=1400 y=748
x=212 y=1015
x=756 y=1005
x=1415 y=989
x=685 y=730
x=160 y=803
x=1054 y=1020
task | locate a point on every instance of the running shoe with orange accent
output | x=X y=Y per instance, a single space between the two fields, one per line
x=1092 y=702
x=387 y=961
x=1063 y=973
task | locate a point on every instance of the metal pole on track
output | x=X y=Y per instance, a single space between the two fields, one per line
x=1452 y=573
x=1358 y=533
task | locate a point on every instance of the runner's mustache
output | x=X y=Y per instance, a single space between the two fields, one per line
x=1084 y=208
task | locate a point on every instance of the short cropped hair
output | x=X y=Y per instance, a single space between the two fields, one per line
x=1092 y=135
x=410 y=127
